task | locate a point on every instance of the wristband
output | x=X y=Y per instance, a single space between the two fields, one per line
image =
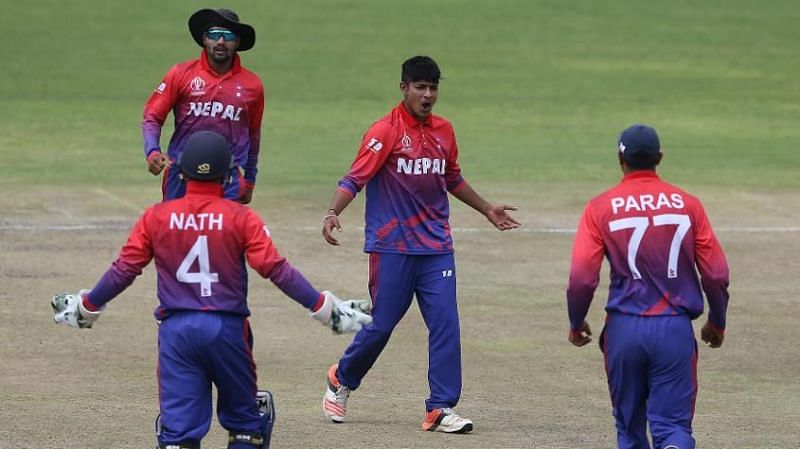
x=325 y=218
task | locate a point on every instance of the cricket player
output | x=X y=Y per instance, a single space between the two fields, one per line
x=200 y=244
x=408 y=160
x=211 y=93
x=655 y=236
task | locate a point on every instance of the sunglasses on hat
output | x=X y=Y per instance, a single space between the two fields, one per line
x=226 y=35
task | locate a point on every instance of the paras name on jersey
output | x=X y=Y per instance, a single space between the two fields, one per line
x=195 y=222
x=212 y=108
x=421 y=166
x=641 y=203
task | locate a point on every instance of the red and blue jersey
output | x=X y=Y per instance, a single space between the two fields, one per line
x=408 y=167
x=230 y=104
x=200 y=244
x=656 y=238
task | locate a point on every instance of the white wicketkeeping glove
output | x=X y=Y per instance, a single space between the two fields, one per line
x=343 y=316
x=68 y=309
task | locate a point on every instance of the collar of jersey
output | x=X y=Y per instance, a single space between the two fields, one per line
x=410 y=120
x=237 y=65
x=203 y=188
x=640 y=174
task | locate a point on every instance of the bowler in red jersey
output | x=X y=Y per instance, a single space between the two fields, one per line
x=211 y=93
x=656 y=238
x=408 y=162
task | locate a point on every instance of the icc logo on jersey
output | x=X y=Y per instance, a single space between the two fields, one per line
x=406 y=142
x=197 y=86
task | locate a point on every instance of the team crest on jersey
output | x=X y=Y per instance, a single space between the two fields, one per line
x=406 y=142
x=197 y=86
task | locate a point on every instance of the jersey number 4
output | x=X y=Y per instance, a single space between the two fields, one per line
x=204 y=277
x=640 y=224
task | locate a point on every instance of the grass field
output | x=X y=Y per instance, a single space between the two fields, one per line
x=537 y=91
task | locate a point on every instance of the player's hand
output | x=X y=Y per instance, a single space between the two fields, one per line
x=343 y=316
x=247 y=196
x=68 y=309
x=582 y=337
x=500 y=218
x=329 y=223
x=156 y=162
x=712 y=335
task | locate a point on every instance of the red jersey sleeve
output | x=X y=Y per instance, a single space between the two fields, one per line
x=158 y=106
x=713 y=268
x=452 y=172
x=584 y=275
x=376 y=146
x=251 y=166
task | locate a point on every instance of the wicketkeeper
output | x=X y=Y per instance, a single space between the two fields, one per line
x=200 y=244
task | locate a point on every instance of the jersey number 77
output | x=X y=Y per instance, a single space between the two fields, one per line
x=640 y=225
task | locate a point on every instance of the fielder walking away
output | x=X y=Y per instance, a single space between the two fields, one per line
x=655 y=237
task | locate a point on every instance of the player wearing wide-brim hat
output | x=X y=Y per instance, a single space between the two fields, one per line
x=214 y=92
x=204 y=19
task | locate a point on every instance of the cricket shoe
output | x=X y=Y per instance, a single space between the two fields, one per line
x=445 y=420
x=334 y=403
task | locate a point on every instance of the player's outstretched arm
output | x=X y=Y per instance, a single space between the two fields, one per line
x=497 y=214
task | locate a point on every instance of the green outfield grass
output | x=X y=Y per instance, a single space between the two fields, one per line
x=537 y=90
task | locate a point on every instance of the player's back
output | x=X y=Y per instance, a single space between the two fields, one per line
x=648 y=228
x=199 y=248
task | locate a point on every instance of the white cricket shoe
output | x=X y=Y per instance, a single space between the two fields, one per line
x=334 y=403
x=445 y=420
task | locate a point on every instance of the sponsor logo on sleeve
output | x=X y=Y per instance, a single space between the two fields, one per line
x=161 y=87
x=374 y=145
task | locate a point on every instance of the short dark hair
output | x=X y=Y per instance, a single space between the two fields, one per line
x=420 y=68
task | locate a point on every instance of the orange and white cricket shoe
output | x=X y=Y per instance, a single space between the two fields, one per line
x=445 y=420
x=334 y=402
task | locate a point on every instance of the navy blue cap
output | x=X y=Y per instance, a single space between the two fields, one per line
x=639 y=145
x=206 y=156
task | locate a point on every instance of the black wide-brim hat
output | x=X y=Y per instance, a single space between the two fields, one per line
x=204 y=19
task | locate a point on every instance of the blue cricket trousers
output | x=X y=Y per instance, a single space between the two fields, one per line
x=393 y=281
x=172 y=186
x=651 y=363
x=196 y=349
